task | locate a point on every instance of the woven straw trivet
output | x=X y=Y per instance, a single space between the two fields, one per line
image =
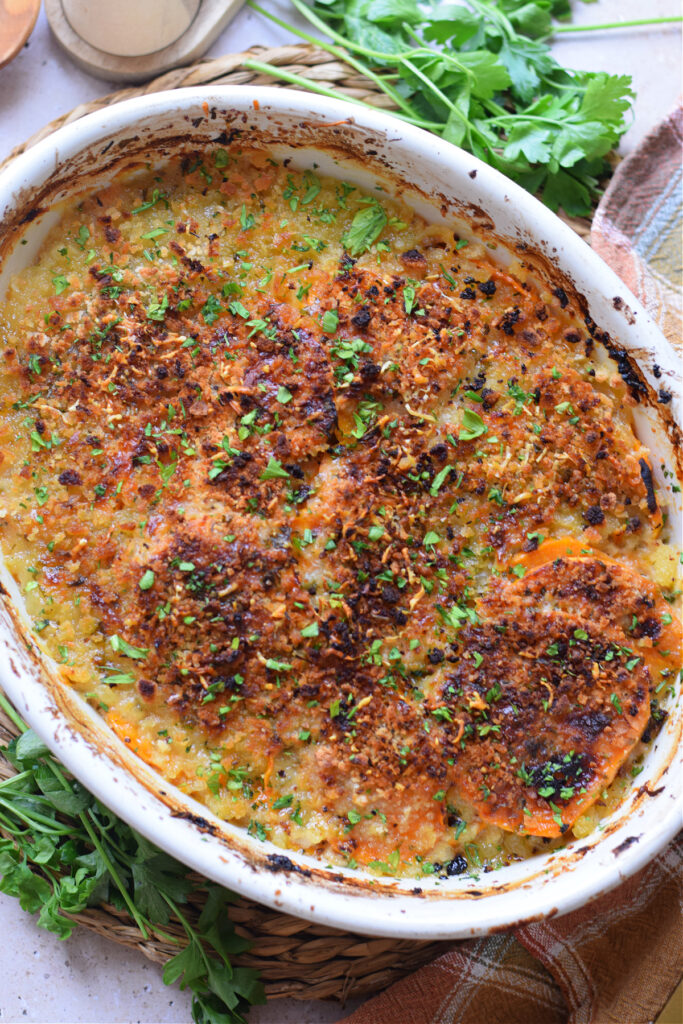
x=295 y=958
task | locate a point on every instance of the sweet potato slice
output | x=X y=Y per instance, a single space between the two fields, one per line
x=556 y=688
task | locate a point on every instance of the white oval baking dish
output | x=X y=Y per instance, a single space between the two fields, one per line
x=441 y=182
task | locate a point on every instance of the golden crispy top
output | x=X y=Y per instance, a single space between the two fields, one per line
x=363 y=512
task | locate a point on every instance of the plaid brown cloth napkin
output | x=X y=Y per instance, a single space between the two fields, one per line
x=617 y=960
x=637 y=227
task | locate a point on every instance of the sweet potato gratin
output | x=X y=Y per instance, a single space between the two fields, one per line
x=342 y=527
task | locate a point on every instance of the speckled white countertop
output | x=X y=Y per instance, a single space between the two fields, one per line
x=87 y=978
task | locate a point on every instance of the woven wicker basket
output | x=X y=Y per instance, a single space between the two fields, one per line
x=295 y=958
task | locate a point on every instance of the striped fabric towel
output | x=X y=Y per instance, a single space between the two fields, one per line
x=616 y=961
x=638 y=225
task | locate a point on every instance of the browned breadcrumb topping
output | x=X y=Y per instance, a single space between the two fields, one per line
x=372 y=540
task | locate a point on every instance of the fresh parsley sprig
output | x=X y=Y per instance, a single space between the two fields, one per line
x=480 y=74
x=61 y=851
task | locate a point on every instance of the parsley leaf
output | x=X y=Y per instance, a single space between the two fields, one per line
x=409 y=298
x=278 y=666
x=237 y=309
x=439 y=480
x=247 y=221
x=156 y=309
x=62 y=851
x=472 y=426
x=366 y=227
x=273 y=470
x=481 y=75
x=211 y=310
x=121 y=646
x=61 y=283
x=330 y=321
x=283 y=801
x=120 y=679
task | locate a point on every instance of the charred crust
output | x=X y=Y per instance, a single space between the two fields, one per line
x=31 y=215
x=70 y=477
x=646 y=474
x=658 y=716
x=627 y=843
x=628 y=370
x=362 y=318
x=594 y=515
x=279 y=862
x=413 y=256
x=196 y=819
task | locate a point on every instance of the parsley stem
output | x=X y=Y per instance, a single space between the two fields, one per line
x=429 y=51
x=189 y=930
x=36 y=822
x=342 y=55
x=119 y=849
x=348 y=44
x=294 y=79
x=430 y=85
x=11 y=779
x=616 y=24
x=390 y=58
x=132 y=909
x=488 y=11
x=527 y=117
x=11 y=713
x=306 y=83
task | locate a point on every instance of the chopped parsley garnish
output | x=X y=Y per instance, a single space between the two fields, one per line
x=121 y=646
x=330 y=321
x=278 y=666
x=283 y=801
x=472 y=426
x=61 y=283
x=211 y=310
x=409 y=298
x=146 y=580
x=247 y=220
x=157 y=309
x=274 y=470
x=366 y=227
x=120 y=679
